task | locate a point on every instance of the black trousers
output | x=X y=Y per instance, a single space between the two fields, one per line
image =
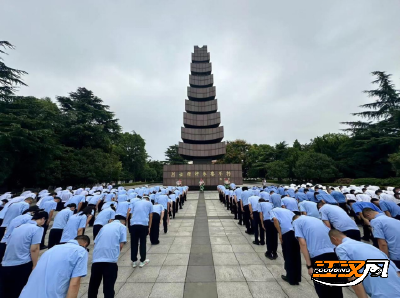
x=257 y=228
x=13 y=279
x=45 y=227
x=227 y=202
x=234 y=208
x=55 y=237
x=60 y=206
x=176 y=205
x=165 y=221
x=271 y=236
x=221 y=197
x=155 y=228
x=291 y=254
x=324 y=291
x=173 y=209
x=239 y=212
x=2 y=232
x=107 y=272
x=184 y=196
x=3 y=247
x=180 y=202
x=247 y=220
x=96 y=230
x=353 y=234
x=138 y=233
x=91 y=222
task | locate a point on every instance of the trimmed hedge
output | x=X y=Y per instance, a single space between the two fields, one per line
x=379 y=182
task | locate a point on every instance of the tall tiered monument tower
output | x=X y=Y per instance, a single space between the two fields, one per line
x=202 y=134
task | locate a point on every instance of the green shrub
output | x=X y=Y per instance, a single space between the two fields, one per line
x=379 y=182
x=344 y=181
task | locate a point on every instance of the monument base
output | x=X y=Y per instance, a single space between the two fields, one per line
x=212 y=174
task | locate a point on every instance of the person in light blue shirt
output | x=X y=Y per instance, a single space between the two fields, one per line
x=158 y=213
x=290 y=246
x=327 y=198
x=109 y=197
x=141 y=222
x=122 y=192
x=107 y=247
x=21 y=255
x=103 y=218
x=163 y=200
x=390 y=208
x=289 y=192
x=310 y=196
x=246 y=211
x=339 y=197
x=335 y=217
x=270 y=231
x=59 y=271
x=290 y=204
x=276 y=199
x=386 y=230
x=78 y=200
x=49 y=207
x=46 y=198
x=60 y=221
x=309 y=208
x=358 y=208
x=122 y=198
x=315 y=245
x=281 y=190
x=256 y=222
x=173 y=203
x=122 y=210
x=109 y=204
x=76 y=225
x=300 y=196
x=376 y=287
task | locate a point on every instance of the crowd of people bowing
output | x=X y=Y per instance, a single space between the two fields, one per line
x=26 y=218
x=317 y=221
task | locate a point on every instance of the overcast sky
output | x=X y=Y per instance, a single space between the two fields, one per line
x=283 y=70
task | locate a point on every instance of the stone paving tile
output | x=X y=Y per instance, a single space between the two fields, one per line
x=248 y=258
x=224 y=259
x=242 y=248
x=233 y=290
x=172 y=274
x=167 y=290
x=156 y=259
x=160 y=248
x=176 y=260
x=135 y=290
x=219 y=240
x=200 y=290
x=204 y=274
x=221 y=248
x=256 y=273
x=266 y=290
x=180 y=248
x=229 y=273
x=145 y=274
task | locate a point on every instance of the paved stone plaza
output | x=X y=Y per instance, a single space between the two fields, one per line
x=204 y=254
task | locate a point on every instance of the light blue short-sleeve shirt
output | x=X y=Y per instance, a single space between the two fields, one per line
x=390 y=206
x=315 y=233
x=326 y=197
x=107 y=242
x=290 y=203
x=19 y=243
x=238 y=193
x=359 y=206
x=75 y=222
x=157 y=209
x=300 y=196
x=265 y=208
x=337 y=217
x=276 y=200
x=49 y=205
x=76 y=199
x=16 y=222
x=253 y=200
x=265 y=195
x=377 y=287
x=61 y=218
x=245 y=197
x=338 y=196
x=140 y=213
x=284 y=216
x=54 y=270
x=122 y=208
x=310 y=208
x=13 y=211
x=122 y=198
x=384 y=227
x=163 y=200
x=104 y=216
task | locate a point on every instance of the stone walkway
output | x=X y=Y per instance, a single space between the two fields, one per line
x=205 y=254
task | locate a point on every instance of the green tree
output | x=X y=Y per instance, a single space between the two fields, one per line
x=315 y=167
x=173 y=157
x=158 y=166
x=297 y=145
x=329 y=144
x=237 y=152
x=88 y=122
x=277 y=170
x=131 y=149
x=394 y=159
x=29 y=144
x=9 y=77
